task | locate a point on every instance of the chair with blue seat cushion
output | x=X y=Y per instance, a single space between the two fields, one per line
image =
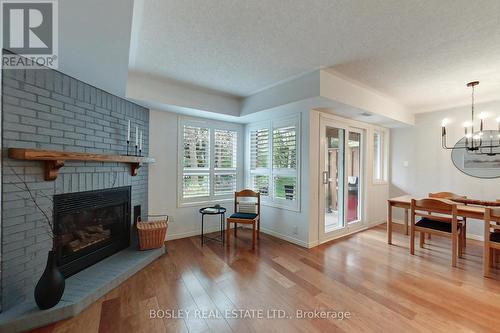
x=491 y=238
x=434 y=224
x=445 y=224
x=246 y=211
x=243 y=216
x=452 y=196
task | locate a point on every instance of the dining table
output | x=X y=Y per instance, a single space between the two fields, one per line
x=404 y=202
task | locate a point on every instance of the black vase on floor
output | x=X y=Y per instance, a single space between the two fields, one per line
x=50 y=287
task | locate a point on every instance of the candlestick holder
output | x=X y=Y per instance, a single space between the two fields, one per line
x=140 y=152
x=135 y=150
x=128 y=143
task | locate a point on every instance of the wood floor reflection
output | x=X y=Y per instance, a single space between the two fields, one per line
x=383 y=287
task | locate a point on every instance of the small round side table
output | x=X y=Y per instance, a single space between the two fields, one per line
x=213 y=211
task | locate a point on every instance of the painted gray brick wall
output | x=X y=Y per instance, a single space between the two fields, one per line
x=46 y=109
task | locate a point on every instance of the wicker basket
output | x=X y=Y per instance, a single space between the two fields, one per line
x=152 y=232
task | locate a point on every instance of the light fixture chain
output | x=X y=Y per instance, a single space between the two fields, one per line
x=472 y=120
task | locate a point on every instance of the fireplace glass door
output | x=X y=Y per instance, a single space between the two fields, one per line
x=90 y=226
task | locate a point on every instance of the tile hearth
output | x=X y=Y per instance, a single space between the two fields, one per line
x=82 y=289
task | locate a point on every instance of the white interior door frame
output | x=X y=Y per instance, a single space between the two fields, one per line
x=348 y=126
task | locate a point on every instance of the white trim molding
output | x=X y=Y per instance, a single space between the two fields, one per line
x=271 y=200
x=213 y=126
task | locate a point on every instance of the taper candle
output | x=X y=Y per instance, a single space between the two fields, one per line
x=136 y=136
x=140 y=142
x=128 y=131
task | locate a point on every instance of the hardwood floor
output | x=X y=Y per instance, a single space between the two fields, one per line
x=383 y=287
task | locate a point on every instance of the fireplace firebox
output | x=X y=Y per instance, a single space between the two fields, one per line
x=90 y=226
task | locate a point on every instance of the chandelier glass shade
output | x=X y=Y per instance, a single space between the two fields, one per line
x=480 y=142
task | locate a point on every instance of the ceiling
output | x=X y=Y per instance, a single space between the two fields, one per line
x=421 y=53
x=94 y=42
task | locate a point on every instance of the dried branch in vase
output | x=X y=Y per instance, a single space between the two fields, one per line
x=33 y=196
x=113 y=182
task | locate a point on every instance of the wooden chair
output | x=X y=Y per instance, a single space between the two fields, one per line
x=491 y=239
x=447 y=226
x=446 y=195
x=451 y=195
x=245 y=212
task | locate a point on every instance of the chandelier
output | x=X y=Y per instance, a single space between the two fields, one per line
x=482 y=142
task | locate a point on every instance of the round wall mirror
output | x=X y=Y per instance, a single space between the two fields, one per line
x=481 y=164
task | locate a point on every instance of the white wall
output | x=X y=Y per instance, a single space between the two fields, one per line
x=94 y=40
x=346 y=91
x=430 y=168
x=299 y=227
x=292 y=226
x=301 y=88
x=185 y=221
x=149 y=89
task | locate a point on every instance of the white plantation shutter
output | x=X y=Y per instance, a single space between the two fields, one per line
x=225 y=149
x=259 y=160
x=208 y=153
x=260 y=183
x=259 y=148
x=284 y=148
x=196 y=147
x=285 y=162
x=225 y=162
x=195 y=186
x=225 y=184
x=196 y=162
x=285 y=187
x=273 y=162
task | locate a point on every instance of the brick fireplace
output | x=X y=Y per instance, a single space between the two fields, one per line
x=46 y=109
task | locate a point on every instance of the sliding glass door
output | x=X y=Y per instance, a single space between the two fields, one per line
x=341 y=165
x=354 y=164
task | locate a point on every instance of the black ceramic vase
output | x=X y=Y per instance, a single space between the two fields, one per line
x=50 y=287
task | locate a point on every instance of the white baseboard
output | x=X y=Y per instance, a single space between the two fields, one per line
x=366 y=227
x=285 y=237
x=372 y=224
x=191 y=233
x=313 y=244
x=398 y=221
x=290 y=239
x=263 y=230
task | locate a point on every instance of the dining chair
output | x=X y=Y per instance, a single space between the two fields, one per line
x=451 y=195
x=491 y=238
x=446 y=224
x=446 y=195
x=246 y=211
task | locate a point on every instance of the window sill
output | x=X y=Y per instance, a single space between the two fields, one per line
x=380 y=182
x=202 y=203
x=283 y=207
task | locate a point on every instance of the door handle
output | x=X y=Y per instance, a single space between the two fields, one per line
x=325 y=177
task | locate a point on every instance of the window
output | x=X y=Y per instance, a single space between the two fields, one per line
x=259 y=160
x=209 y=161
x=285 y=162
x=196 y=162
x=379 y=156
x=225 y=162
x=273 y=162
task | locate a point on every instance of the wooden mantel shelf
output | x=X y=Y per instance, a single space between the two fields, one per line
x=54 y=159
